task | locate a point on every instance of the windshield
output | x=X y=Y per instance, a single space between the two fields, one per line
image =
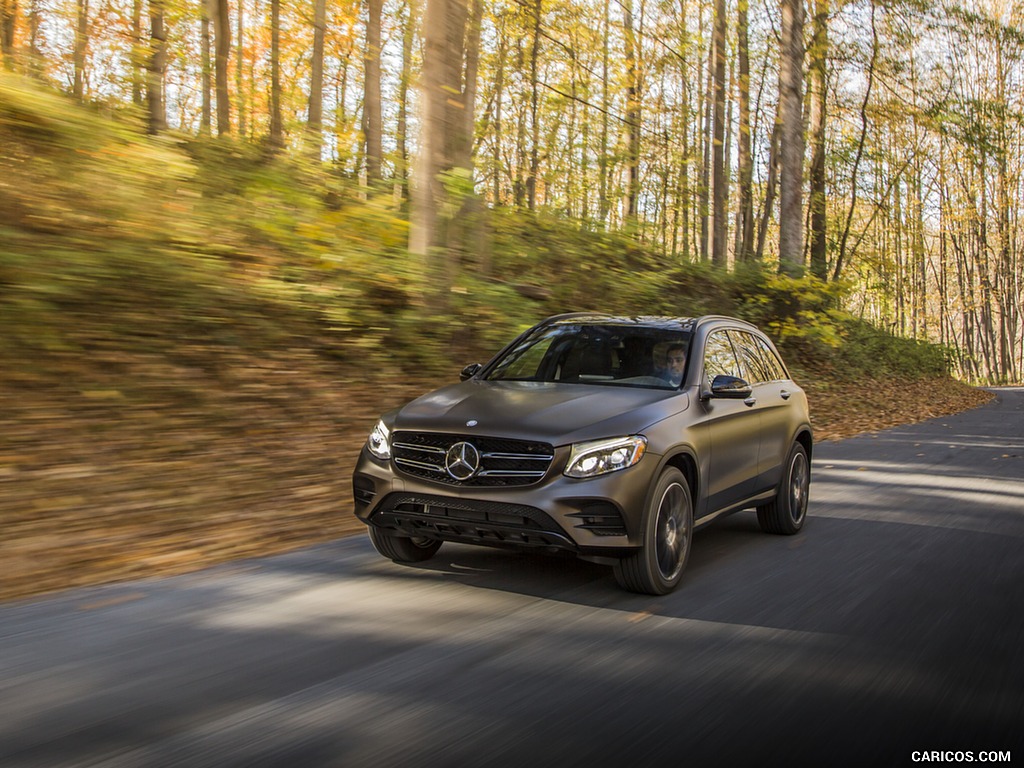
x=614 y=355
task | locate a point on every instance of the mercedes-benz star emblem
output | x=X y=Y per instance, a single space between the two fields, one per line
x=462 y=461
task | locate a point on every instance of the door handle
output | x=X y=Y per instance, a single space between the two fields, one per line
x=786 y=394
x=750 y=401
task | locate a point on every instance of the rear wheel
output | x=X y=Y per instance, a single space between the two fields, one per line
x=785 y=514
x=658 y=566
x=402 y=549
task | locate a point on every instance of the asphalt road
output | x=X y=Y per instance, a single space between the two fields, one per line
x=892 y=624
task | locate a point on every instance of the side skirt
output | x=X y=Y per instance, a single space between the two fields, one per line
x=753 y=501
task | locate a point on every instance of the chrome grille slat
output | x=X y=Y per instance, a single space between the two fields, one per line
x=503 y=461
x=423 y=448
x=510 y=473
x=419 y=465
x=515 y=456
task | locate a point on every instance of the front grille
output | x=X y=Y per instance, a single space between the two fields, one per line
x=470 y=521
x=503 y=462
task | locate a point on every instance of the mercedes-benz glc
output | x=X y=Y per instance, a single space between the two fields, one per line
x=608 y=437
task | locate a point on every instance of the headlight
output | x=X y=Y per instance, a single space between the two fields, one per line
x=378 y=443
x=602 y=456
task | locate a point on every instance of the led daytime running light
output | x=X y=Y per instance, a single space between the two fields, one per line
x=603 y=456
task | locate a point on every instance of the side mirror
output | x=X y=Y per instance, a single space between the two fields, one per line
x=730 y=388
x=470 y=371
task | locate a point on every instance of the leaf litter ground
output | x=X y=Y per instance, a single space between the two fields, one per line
x=140 y=467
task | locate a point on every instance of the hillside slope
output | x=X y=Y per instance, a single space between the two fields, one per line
x=197 y=338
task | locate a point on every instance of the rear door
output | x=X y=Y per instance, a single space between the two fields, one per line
x=773 y=392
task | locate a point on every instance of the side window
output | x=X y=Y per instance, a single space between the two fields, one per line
x=719 y=358
x=771 y=361
x=753 y=362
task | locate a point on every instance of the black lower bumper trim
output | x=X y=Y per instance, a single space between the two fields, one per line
x=470 y=521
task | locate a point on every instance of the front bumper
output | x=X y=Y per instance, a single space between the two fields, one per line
x=594 y=516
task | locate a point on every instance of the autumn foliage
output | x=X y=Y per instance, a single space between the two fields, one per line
x=198 y=334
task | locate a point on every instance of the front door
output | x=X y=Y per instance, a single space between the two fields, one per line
x=733 y=431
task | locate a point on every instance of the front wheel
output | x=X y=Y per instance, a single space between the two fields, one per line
x=658 y=566
x=786 y=513
x=402 y=549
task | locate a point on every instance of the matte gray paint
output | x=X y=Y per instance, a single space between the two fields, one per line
x=737 y=467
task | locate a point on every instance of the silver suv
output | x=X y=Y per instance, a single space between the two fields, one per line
x=609 y=437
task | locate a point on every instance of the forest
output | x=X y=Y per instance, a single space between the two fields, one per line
x=232 y=234
x=872 y=145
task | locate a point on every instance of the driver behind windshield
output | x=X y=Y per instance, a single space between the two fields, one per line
x=675 y=362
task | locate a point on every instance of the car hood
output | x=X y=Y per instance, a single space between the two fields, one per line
x=550 y=412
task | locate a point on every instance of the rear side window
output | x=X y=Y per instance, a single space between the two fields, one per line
x=754 y=365
x=774 y=367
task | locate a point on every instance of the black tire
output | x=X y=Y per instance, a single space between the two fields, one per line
x=657 y=567
x=402 y=549
x=785 y=514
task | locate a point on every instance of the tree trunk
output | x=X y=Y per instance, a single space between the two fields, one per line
x=521 y=170
x=769 y=195
x=222 y=47
x=37 y=64
x=341 y=118
x=1007 y=297
x=428 y=189
x=240 y=69
x=8 y=22
x=745 y=212
x=465 y=231
x=633 y=116
x=155 y=68
x=408 y=37
x=706 y=141
x=684 y=188
x=945 y=335
x=81 y=46
x=137 y=58
x=276 y=126
x=684 y=196
x=466 y=121
x=443 y=181
x=920 y=272
x=206 y=78
x=818 y=86
x=898 y=283
x=584 y=165
x=372 y=121
x=791 y=142
x=719 y=257
x=314 y=117
x=499 y=93
x=453 y=84
x=602 y=160
x=531 y=179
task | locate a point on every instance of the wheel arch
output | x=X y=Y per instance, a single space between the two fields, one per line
x=682 y=458
x=805 y=439
x=685 y=461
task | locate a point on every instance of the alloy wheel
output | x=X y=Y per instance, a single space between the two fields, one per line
x=799 y=485
x=672 y=531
